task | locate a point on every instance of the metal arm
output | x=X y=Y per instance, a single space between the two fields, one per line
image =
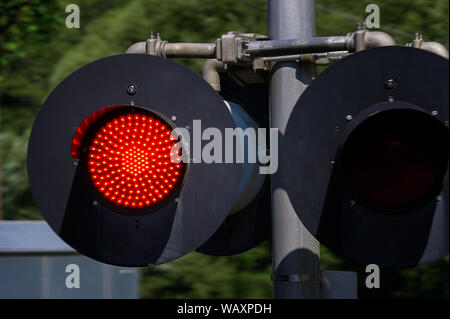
x=295 y=46
x=256 y=52
x=156 y=46
x=236 y=47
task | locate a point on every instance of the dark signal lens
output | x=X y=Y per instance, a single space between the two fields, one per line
x=396 y=158
x=130 y=163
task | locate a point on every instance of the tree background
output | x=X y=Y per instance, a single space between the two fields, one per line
x=37 y=51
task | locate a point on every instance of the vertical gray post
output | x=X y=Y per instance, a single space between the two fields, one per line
x=296 y=270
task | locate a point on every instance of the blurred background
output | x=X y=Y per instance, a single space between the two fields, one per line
x=37 y=51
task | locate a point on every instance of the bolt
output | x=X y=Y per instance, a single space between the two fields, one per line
x=173 y=118
x=391 y=99
x=151 y=35
x=438 y=198
x=352 y=202
x=75 y=162
x=95 y=203
x=434 y=113
x=349 y=117
x=131 y=90
x=390 y=83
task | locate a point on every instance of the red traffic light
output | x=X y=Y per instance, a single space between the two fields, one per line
x=136 y=216
x=130 y=160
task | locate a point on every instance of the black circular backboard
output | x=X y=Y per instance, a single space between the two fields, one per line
x=339 y=101
x=98 y=231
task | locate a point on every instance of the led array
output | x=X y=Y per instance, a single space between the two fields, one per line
x=129 y=161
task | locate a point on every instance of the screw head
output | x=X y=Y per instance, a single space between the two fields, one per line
x=95 y=203
x=349 y=117
x=131 y=89
x=434 y=113
x=390 y=83
x=173 y=118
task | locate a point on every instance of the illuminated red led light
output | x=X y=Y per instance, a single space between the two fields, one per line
x=129 y=161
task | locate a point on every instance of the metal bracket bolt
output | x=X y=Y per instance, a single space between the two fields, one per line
x=390 y=83
x=131 y=90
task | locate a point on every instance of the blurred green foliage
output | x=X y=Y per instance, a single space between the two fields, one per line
x=37 y=51
x=200 y=276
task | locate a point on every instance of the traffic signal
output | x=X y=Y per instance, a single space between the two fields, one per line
x=365 y=157
x=107 y=175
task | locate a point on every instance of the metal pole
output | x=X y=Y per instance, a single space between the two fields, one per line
x=296 y=271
